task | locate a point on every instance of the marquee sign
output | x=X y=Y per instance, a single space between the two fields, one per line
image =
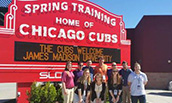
x=54 y=53
x=41 y=35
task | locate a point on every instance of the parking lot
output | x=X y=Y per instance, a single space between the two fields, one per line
x=159 y=96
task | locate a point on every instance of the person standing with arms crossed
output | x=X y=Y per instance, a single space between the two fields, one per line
x=137 y=81
x=124 y=72
x=68 y=83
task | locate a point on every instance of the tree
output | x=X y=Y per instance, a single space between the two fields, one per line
x=42 y=94
x=34 y=93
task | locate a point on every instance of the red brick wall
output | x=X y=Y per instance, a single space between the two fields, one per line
x=158 y=80
x=151 y=44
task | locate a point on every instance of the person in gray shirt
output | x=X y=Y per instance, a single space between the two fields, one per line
x=137 y=81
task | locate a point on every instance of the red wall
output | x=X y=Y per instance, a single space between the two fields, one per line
x=22 y=88
x=151 y=43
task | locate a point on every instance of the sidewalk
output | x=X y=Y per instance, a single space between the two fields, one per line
x=159 y=96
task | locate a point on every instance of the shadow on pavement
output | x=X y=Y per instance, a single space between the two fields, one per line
x=8 y=101
x=161 y=93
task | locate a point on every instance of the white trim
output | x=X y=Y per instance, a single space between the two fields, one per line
x=32 y=68
x=10 y=22
x=34 y=65
x=6 y=30
x=10 y=32
x=2 y=29
x=126 y=42
x=100 y=8
x=27 y=0
x=30 y=65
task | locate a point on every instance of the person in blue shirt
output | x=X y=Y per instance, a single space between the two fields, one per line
x=124 y=72
x=88 y=65
x=137 y=81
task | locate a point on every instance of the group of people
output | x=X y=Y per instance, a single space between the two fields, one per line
x=88 y=85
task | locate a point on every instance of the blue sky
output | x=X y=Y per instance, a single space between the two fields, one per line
x=133 y=10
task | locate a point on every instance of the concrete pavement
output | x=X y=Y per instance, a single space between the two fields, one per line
x=8 y=91
x=159 y=96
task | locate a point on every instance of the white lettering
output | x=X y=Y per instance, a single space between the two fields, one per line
x=71 y=34
x=28 y=9
x=58 y=20
x=97 y=14
x=49 y=75
x=56 y=6
x=43 y=7
x=64 y=6
x=106 y=19
x=35 y=8
x=21 y=29
x=43 y=75
x=39 y=30
x=114 y=38
x=82 y=35
x=45 y=31
x=49 y=5
x=65 y=21
x=107 y=38
x=100 y=37
x=74 y=6
x=80 y=8
x=50 y=30
x=87 y=10
x=53 y=32
x=113 y=22
x=62 y=34
x=90 y=36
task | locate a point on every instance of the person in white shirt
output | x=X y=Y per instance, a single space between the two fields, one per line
x=137 y=81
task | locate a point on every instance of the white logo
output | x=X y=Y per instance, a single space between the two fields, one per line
x=49 y=75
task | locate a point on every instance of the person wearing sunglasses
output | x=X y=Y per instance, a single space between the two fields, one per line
x=109 y=71
x=115 y=87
